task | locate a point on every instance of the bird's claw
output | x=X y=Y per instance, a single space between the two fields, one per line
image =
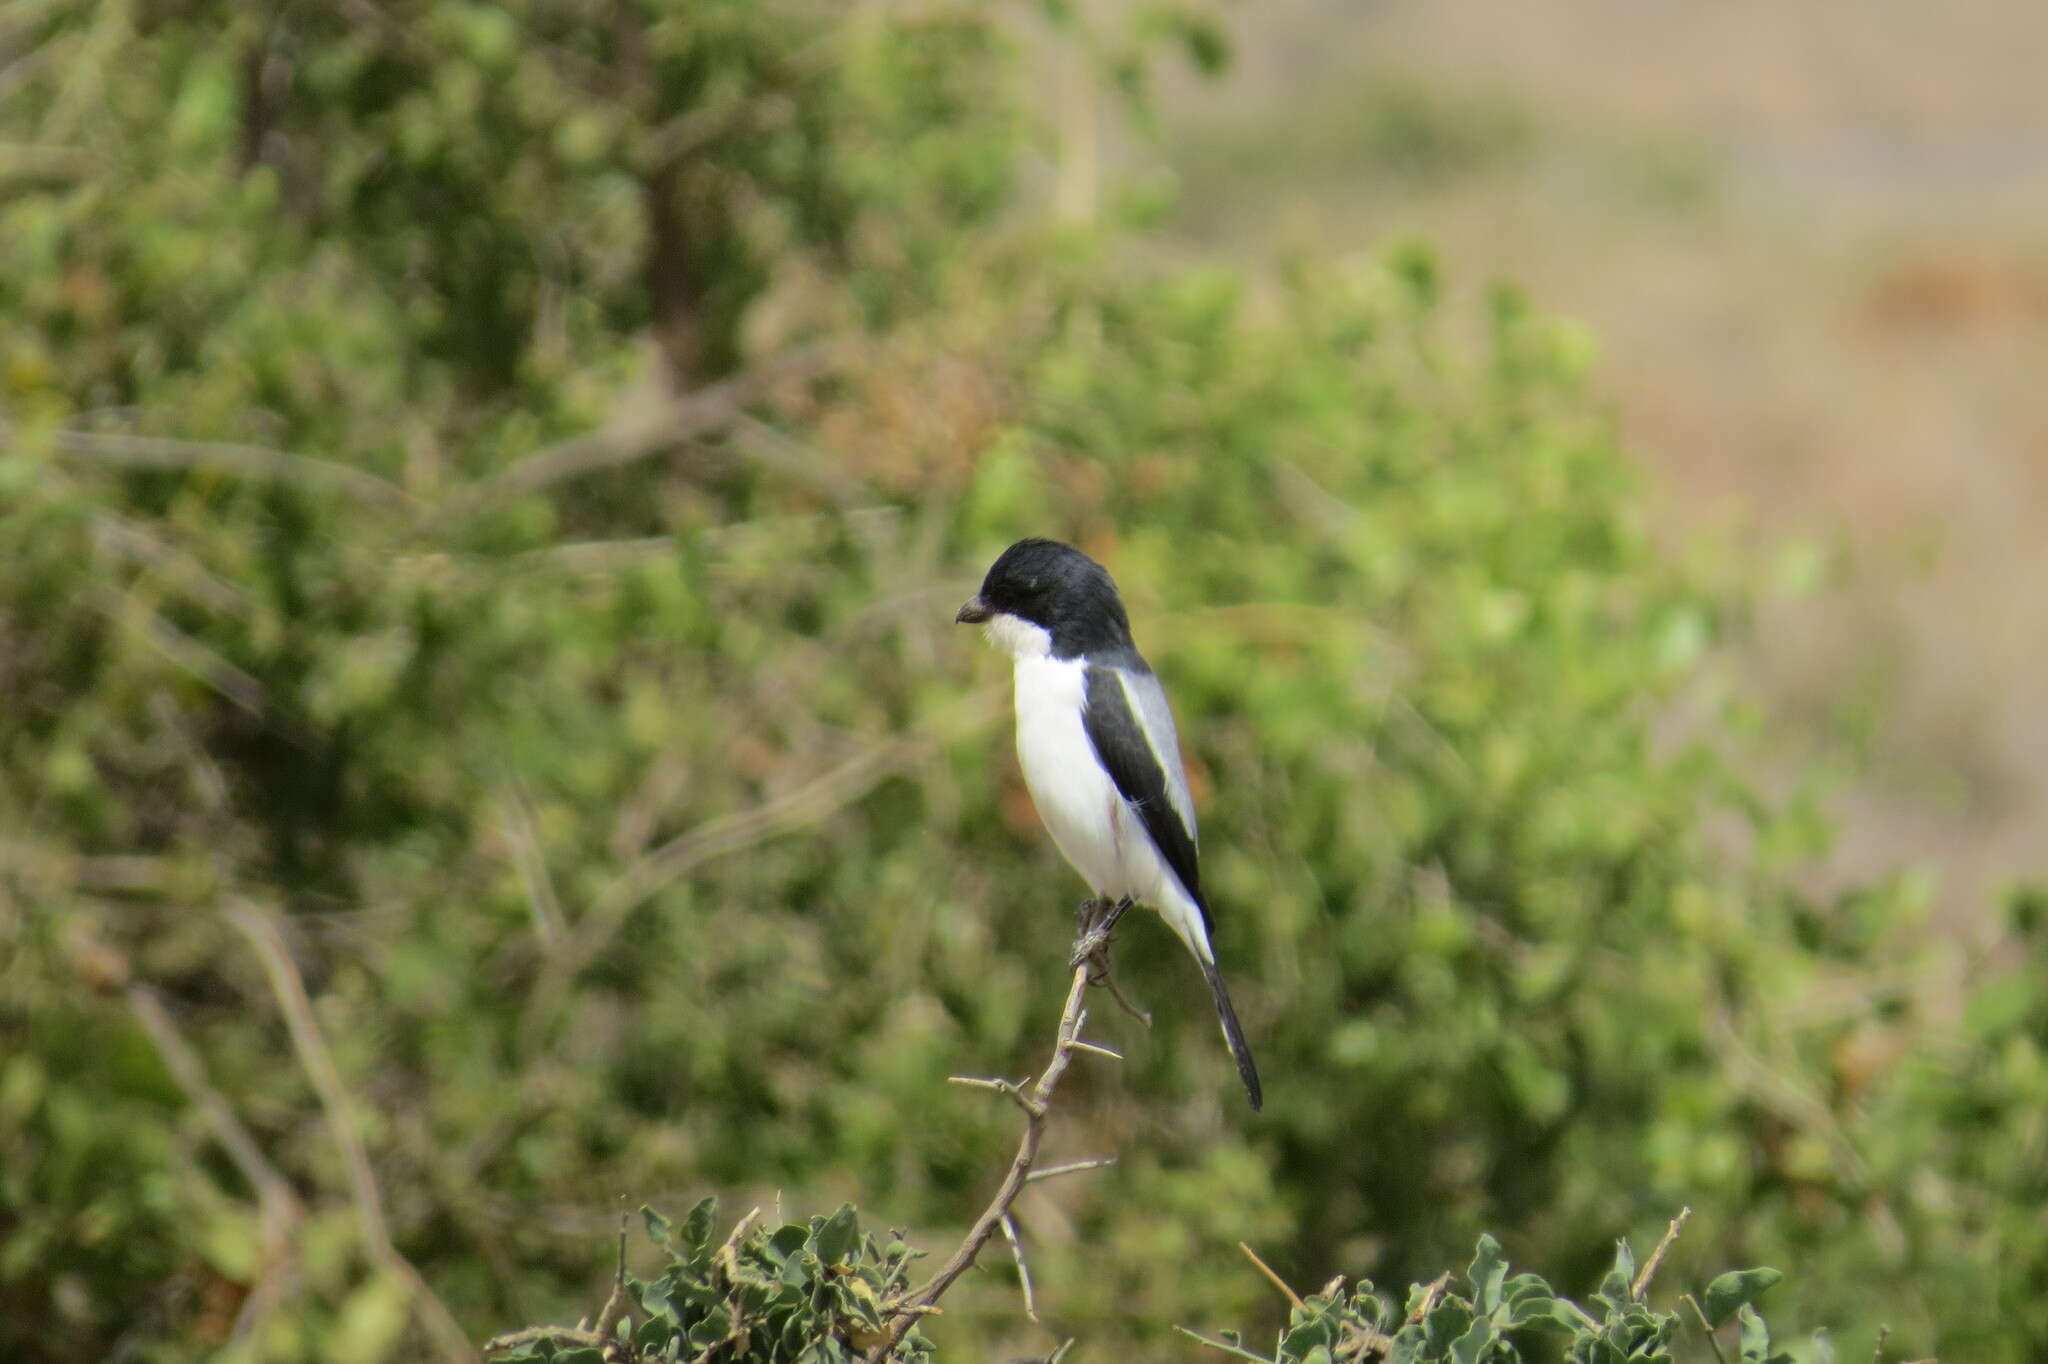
x=1094 y=922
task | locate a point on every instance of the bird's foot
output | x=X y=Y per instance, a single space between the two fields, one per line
x=1093 y=924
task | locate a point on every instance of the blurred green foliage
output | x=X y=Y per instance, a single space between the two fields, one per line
x=482 y=496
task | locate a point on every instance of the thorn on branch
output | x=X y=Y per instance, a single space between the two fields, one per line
x=1071 y=1167
x=1010 y=1088
x=1023 y=1270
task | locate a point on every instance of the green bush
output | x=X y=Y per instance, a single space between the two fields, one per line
x=462 y=762
x=822 y=1292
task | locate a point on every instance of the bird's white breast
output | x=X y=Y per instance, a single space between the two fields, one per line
x=1076 y=799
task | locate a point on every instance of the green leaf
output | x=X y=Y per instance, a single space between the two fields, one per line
x=1615 y=1286
x=837 y=1237
x=1488 y=1271
x=584 y=1354
x=1471 y=1347
x=1409 y=1344
x=1570 y=1317
x=654 y=1300
x=657 y=1225
x=1737 y=1288
x=715 y=1326
x=697 y=1230
x=1536 y=1312
x=1317 y=1330
x=1756 y=1339
x=1447 y=1321
x=787 y=1240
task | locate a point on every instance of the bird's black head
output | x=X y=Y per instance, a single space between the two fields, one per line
x=1056 y=588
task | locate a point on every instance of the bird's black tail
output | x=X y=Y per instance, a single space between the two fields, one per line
x=1232 y=1033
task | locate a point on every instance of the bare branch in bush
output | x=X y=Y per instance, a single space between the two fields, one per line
x=1035 y=1102
x=659 y=428
x=289 y=988
x=824 y=795
x=250 y=461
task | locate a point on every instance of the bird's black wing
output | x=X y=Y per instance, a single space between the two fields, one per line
x=1142 y=754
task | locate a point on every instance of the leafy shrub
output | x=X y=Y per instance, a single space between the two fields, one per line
x=819 y=1292
x=451 y=773
x=801 y=1293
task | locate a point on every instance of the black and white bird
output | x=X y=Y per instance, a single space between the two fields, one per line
x=1096 y=740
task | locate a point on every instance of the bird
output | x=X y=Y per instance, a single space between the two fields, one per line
x=1096 y=740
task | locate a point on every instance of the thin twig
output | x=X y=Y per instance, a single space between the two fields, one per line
x=1111 y=1053
x=1009 y=1225
x=572 y=1335
x=255 y=461
x=1877 y=1352
x=184 y=570
x=728 y=1255
x=1656 y=1261
x=1267 y=1270
x=279 y=1209
x=615 y=1305
x=289 y=989
x=522 y=835
x=1694 y=1303
x=1235 y=1350
x=1034 y=1102
x=661 y=427
x=273 y=1192
x=815 y=800
x=1116 y=993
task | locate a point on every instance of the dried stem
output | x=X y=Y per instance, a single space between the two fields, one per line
x=1292 y=1297
x=1430 y=1297
x=615 y=1305
x=1034 y=1103
x=1656 y=1261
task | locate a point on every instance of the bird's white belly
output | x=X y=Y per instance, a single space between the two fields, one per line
x=1076 y=799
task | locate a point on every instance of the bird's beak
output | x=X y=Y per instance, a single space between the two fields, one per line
x=974 y=613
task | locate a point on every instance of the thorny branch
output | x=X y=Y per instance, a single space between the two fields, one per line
x=1034 y=1101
